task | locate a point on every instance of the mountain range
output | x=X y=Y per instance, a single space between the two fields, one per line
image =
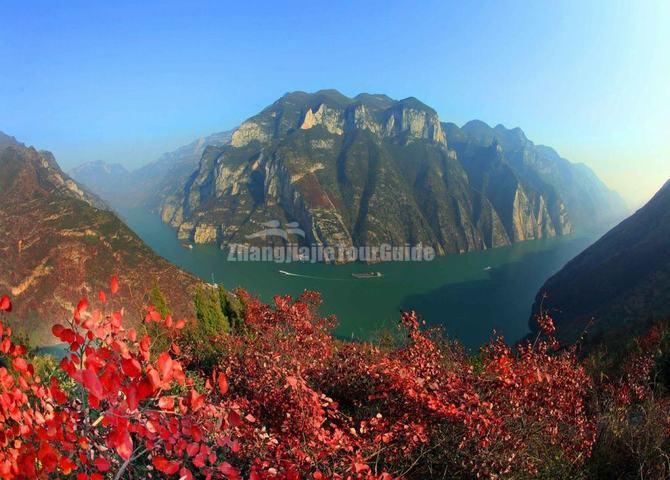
x=60 y=243
x=370 y=170
x=363 y=171
x=149 y=184
x=619 y=285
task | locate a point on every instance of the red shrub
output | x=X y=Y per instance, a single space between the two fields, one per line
x=287 y=400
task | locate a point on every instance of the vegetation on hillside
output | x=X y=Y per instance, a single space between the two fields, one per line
x=275 y=396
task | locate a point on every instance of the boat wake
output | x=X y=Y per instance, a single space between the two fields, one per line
x=290 y=274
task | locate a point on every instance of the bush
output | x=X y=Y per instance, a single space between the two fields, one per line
x=281 y=398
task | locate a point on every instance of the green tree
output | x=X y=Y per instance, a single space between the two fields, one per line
x=208 y=309
x=158 y=301
x=232 y=308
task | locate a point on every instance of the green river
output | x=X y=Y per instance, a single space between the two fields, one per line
x=469 y=295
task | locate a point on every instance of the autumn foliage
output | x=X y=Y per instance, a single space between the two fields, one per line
x=287 y=400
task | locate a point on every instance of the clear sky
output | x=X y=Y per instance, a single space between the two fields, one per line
x=125 y=82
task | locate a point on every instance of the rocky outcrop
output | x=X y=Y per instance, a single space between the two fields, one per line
x=204 y=233
x=248 y=132
x=365 y=171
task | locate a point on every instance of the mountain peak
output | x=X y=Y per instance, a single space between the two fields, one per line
x=408 y=119
x=7 y=141
x=99 y=166
x=416 y=104
x=480 y=131
x=514 y=137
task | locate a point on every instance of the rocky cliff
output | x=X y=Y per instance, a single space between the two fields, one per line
x=364 y=171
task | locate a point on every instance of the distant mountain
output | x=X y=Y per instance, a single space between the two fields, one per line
x=150 y=184
x=59 y=243
x=109 y=181
x=371 y=170
x=587 y=199
x=619 y=284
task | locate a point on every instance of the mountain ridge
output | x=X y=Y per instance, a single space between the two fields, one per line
x=59 y=244
x=618 y=285
x=146 y=184
x=308 y=158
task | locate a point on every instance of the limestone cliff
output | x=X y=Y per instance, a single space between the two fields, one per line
x=364 y=171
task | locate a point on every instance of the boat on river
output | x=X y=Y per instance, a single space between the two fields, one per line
x=365 y=275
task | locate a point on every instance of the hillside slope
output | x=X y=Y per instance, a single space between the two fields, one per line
x=59 y=243
x=620 y=283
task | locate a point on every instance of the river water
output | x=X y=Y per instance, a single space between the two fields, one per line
x=469 y=295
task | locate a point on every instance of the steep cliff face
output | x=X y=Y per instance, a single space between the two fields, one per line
x=584 y=199
x=59 y=243
x=364 y=171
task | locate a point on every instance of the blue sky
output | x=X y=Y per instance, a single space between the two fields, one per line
x=125 y=82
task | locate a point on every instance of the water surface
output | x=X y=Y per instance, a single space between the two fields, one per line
x=459 y=292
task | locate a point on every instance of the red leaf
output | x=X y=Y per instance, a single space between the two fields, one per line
x=102 y=296
x=166 y=466
x=57 y=330
x=228 y=470
x=91 y=382
x=5 y=304
x=196 y=400
x=67 y=465
x=20 y=364
x=102 y=464
x=166 y=403
x=122 y=442
x=131 y=367
x=192 y=449
x=234 y=419
x=223 y=384
x=164 y=364
x=82 y=305
x=114 y=285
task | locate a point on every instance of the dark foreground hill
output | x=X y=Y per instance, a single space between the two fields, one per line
x=620 y=284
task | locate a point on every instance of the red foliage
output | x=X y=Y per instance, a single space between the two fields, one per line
x=287 y=401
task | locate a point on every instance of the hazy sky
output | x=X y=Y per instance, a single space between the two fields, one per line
x=125 y=82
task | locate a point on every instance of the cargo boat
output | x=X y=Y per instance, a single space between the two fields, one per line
x=367 y=275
